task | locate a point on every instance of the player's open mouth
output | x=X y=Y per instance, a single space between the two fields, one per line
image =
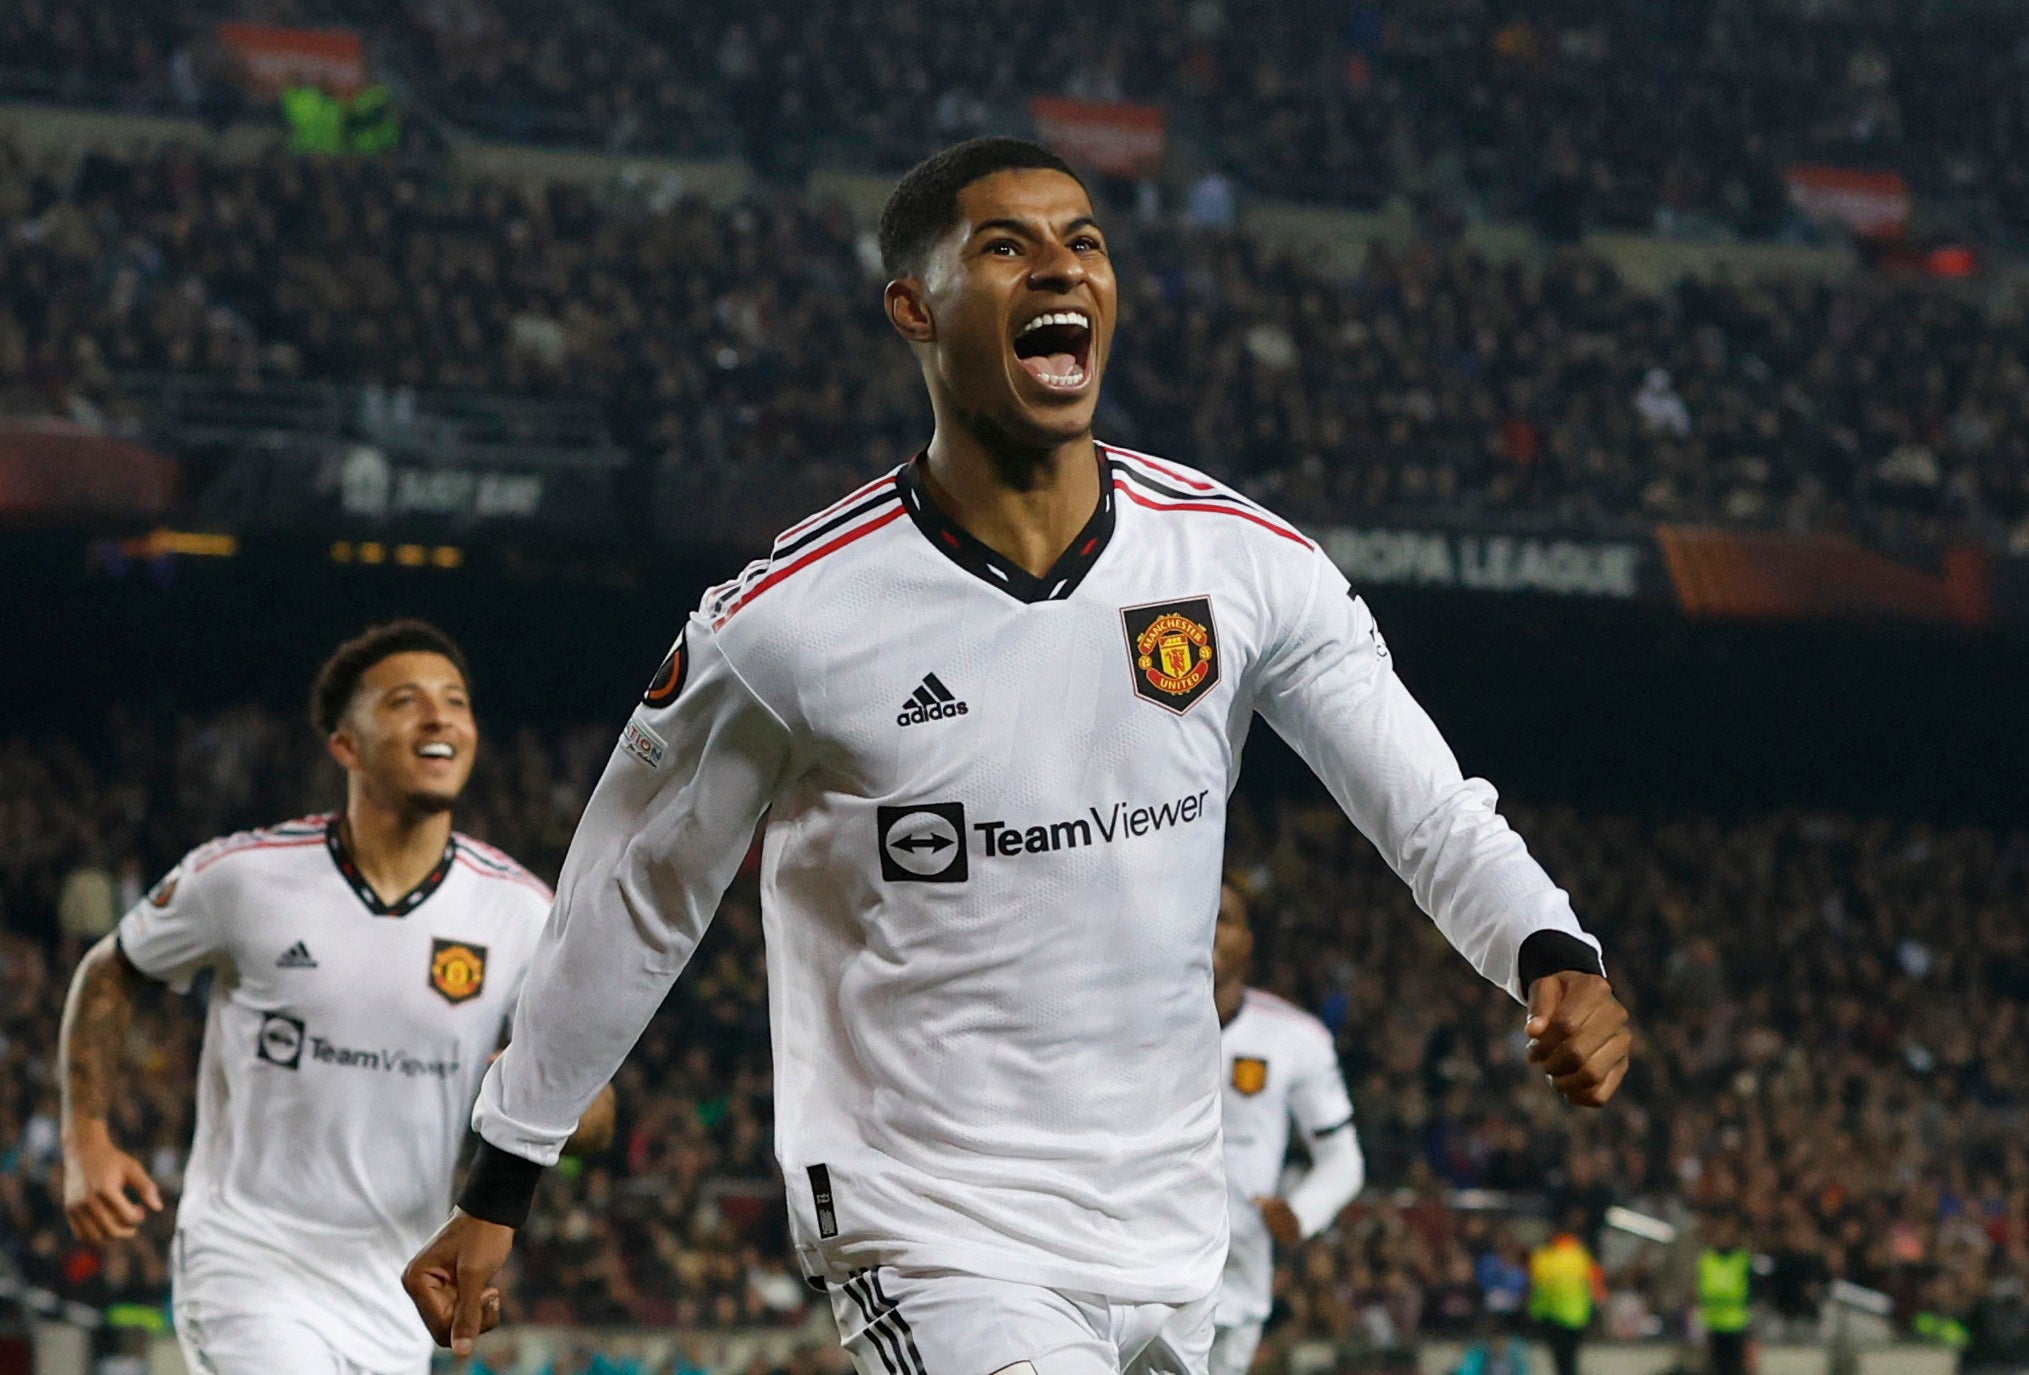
x=437 y=749
x=1056 y=349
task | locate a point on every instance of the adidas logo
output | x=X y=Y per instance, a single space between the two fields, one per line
x=297 y=956
x=931 y=701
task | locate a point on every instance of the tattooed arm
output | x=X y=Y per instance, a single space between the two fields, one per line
x=89 y=1049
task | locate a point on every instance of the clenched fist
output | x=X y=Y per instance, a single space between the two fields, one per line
x=1578 y=1036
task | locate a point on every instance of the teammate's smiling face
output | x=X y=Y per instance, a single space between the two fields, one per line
x=409 y=733
x=1015 y=307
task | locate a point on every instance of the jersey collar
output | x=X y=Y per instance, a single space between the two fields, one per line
x=962 y=548
x=401 y=906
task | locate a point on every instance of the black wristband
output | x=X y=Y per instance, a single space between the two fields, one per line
x=1554 y=952
x=500 y=1187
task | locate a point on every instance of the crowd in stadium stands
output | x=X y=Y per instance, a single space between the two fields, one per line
x=1679 y=117
x=745 y=346
x=1867 y=1120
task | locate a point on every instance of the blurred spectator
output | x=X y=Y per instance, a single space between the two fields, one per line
x=740 y=353
x=1580 y=113
x=1662 y=411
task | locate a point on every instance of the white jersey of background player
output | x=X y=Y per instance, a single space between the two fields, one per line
x=365 y=966
x=1280 y=1068
x=989 y=932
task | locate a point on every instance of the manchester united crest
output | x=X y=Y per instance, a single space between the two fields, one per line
x=1250 y=1074
x=1174 y=651
x=457 y=969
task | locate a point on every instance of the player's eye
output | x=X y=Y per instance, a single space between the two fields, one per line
x=1085 y=243
x=1005 y=248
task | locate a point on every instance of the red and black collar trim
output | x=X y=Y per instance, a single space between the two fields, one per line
x=963 y=549
x=401 y=906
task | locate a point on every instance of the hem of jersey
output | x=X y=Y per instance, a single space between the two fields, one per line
x=1140 y=1285
x=209 y=1234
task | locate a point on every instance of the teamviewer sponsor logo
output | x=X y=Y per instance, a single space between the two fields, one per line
x=924 y=843
x=280 y=1041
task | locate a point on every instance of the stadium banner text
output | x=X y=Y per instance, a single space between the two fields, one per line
x=1706 y=573
x=1618 y=569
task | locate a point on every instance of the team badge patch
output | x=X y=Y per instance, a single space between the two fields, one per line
x=1173 y=650
x=1250 y=1074
x=162 y=893
x=457 y=969
x=669 y=678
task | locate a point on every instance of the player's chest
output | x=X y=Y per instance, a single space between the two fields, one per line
x=1257 y=1070
x=439 y=971
x=1115 y=683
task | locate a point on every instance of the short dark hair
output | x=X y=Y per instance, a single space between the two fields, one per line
x=924 y=204
x=336 y=683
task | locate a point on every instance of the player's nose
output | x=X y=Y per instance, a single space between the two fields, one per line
x=1057 y=268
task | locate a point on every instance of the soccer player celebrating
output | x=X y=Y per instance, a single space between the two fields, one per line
x=989 y=923
x=365 y=967
x=1279 y=1065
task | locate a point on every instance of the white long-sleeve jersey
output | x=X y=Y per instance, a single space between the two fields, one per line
x=343 y=1043
x=1280 y=1068
x=995 y=818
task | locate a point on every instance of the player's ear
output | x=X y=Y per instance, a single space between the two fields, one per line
x=343 y=747
x=908 y=308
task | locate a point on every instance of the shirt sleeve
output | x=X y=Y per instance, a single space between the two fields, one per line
x=1328 y=686
x=173 y=932
x=661 y=838
x=1324 y=1113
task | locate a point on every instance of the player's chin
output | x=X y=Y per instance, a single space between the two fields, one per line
x=428 y=799
x=1049 y=420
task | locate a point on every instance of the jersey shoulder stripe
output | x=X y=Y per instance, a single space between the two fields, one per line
x=489 y=862
x=801 y=527
x=1283 y=1010
x=1161 y=486
x=859 y=515
x=307 y=830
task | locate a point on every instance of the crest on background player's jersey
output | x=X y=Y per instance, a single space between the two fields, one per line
x=1250 y=1074
x=669 y=678
x=457 y=969
x=161 y=893
x=1172 y=648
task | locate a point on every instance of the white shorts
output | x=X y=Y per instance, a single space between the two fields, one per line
x=905 y=1322
x=233 y=1320
x=1233 y=1348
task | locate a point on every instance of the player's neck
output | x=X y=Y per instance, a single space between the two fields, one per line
x=1026 y=505
x=394 y=848
x=1227 y=997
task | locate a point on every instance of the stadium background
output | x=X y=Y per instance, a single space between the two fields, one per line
x=537 y=319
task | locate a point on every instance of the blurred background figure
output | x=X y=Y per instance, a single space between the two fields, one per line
x=1725 y=1285
x=1565 y=1285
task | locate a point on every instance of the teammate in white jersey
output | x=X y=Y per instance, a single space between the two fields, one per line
x=1280 y=1066
x=992 y=705
x=365 y=967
